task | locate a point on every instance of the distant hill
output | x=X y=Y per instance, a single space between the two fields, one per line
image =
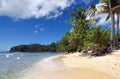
x=34 y=48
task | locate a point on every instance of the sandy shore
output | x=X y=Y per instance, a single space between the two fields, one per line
x=75 y=66
x=109 y=64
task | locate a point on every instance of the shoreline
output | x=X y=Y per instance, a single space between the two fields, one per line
x=109 y=64
x=75 y=66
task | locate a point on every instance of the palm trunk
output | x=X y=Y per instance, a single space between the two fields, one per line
x=112 y=39
x=117 y=30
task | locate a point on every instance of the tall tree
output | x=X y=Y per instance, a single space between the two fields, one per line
x=80 y=26
x=117 y=43
x=105 y=6
x=112 y=39
x=116 y=10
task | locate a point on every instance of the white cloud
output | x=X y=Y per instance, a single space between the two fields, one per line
x=38 y=29
x=42 y=29
x=86 y=1
x=37 y=26
x=102 y=19
x=35 y=32
x=25 y=9
x=57 y=13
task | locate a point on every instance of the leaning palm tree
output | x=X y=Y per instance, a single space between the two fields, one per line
x=113 y=9
x=105 y=6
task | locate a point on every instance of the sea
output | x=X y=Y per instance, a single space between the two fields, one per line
x=15 y=65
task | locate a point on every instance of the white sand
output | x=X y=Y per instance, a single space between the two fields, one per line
x=75 y=66
x=109 y=64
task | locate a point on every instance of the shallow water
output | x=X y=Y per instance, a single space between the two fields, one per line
x=15 y=65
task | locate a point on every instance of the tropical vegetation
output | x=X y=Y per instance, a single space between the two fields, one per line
x=85 y=35
x=112 y=8
x=34 y=48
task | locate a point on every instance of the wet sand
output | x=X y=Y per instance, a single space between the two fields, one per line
x=70 y=73
x=75 y=66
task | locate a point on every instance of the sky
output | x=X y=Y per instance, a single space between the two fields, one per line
x=35 y=21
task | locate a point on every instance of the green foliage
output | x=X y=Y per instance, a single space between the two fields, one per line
x=80 y=27
x=79 y=48
x=64 y=43
x=98 y=37
x=74 y=40
x=80 y=37
x=34 y=48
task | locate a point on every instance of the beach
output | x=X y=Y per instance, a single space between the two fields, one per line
x=109 y=64
x=60 y=39
x=76 y=66
x=17 y=65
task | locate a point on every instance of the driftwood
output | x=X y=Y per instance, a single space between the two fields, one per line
x=96 y=52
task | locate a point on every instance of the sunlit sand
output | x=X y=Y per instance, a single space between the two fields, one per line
x=75 y=66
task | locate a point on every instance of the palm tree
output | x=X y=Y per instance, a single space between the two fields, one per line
x=113 y=9
x=91 y=11
x=107 y=7
x=112 y=39
x=117 y=30
x=80 y=26
x=116 y=10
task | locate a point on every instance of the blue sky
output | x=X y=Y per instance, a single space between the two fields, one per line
x=27 y=22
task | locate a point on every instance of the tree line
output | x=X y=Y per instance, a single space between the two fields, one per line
x=85 y=35
x=34 y=48
x=112 y=8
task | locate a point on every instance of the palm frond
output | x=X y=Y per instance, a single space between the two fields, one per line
x=108 y=17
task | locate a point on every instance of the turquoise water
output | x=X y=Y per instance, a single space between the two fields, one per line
x=15 y=65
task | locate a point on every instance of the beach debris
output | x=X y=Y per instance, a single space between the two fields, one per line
x=96 y=51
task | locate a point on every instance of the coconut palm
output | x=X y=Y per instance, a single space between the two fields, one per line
x=80 y=27
x=112 y=39
x=105 y=6
x=116 y=10
x=91 y=11
x=117 y=30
